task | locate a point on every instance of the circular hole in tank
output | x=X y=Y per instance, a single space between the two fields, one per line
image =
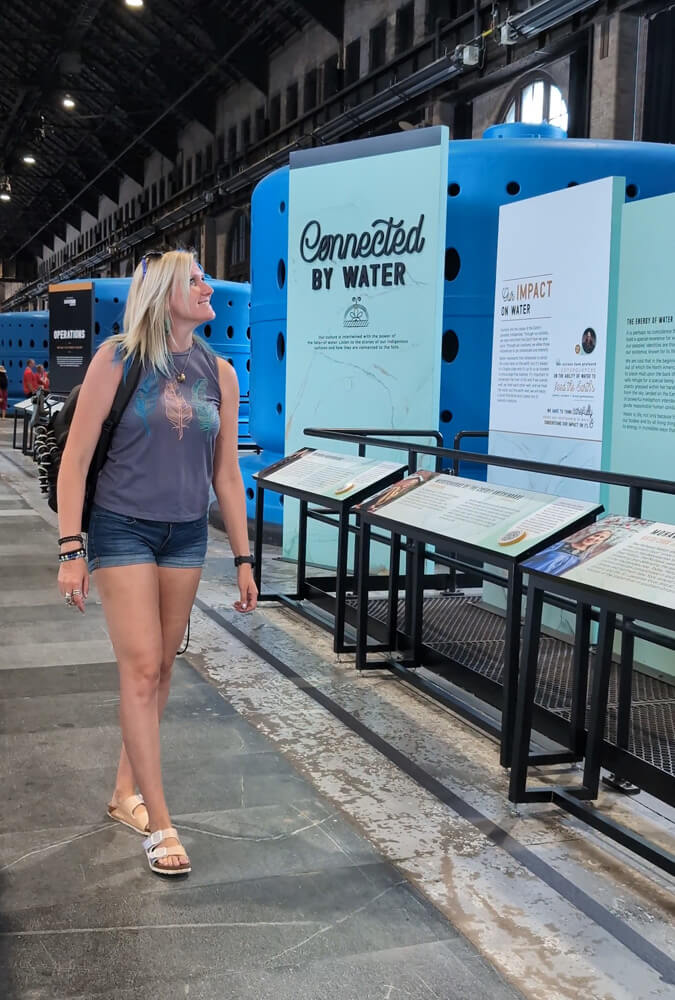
x=20 y=363
x=279 y=407
x=115 y=299
x=513 y=188
x=11 y=364
x=115 y=328
x=281 y=501
x=573 y=184
x=10 y=343
x=230 y=362
x=248 y=332
x=97 y=328
x=631 y=190
x=282 y=206
x=249 y=493
x=453 y=189
x=32 y=343
x=46 y=365
x=230 y=332
x=45 y=343
x=281 y=346
x=96 y=299
x=450 y=346
x=229 y=302
x=281 y=273
x=20 y=343
x=452 y=264
x=207 y=330
x=446 y=416
x=248 y=364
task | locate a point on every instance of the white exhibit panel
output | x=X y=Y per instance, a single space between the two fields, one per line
x=500 y=519
x=555 y=301
x=619 y=555
x=327 y=474
x=365 y=295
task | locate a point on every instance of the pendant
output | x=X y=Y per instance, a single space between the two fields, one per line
x=180 y=377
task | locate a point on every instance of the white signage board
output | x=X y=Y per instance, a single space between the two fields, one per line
x=555 y=301
x=500 y=519
x=620 y=555
x=327 y=474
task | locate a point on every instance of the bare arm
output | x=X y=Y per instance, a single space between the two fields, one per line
x=228 y=484
x=93 y=406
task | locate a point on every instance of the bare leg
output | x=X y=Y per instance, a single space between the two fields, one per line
x=177 y=591
x=145 y=671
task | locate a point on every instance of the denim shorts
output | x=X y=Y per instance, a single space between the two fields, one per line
x=120 y=540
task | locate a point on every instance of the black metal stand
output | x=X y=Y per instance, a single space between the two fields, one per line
x=572 y=798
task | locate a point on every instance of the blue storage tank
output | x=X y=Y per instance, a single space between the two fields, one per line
x=511 y=162
x=23 y=335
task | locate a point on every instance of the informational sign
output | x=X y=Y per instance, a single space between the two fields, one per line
x=555 y=301
x=640 y=434
x=71 y=322
x=620 y=555
x=326 y=474
x=499 y=519
x=365 y=291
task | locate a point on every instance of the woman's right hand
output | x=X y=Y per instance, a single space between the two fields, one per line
x=73 y=579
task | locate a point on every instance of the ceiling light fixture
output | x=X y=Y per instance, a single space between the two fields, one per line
x=29 y=159
x=5 y=189
x=135 y=4
x=68 y=102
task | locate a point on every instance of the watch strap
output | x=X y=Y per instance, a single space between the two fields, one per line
x=240 y=560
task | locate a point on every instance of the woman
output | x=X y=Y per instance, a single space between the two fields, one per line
x=148 y=528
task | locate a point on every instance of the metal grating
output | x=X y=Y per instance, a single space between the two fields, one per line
x=462 y=630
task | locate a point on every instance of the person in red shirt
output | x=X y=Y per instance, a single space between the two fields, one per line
x=29 y=378
x=41 y=378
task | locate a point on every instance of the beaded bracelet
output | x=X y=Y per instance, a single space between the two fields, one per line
x=71 y=538
x=76 y=554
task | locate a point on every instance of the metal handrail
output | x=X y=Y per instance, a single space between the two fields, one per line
x=570 y=472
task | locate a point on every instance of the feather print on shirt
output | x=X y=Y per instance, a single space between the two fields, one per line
x=146 y=400
x=178 y=410
x=205 y=411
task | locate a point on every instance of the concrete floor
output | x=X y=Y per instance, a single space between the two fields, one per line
x=320 y=869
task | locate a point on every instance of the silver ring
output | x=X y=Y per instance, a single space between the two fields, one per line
x=77 y=593
x=68 y=599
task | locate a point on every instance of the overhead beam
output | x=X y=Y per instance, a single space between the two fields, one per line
x=330 y=16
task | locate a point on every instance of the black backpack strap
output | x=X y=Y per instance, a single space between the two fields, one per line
x=125 y=391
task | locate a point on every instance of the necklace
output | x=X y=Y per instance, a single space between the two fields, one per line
x=180 y=376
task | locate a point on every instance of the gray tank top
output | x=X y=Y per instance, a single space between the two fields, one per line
x=160 y=463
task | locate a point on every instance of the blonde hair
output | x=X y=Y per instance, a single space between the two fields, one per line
x=147 y=317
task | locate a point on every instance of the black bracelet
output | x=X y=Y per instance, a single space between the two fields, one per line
x=240 y=560
x=71 y=538
x=75 y=554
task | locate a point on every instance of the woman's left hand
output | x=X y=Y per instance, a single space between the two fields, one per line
x=247 y=589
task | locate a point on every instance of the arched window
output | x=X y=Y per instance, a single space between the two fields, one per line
x=538 y=101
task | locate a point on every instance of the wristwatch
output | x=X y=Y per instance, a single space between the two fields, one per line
x=239 y=560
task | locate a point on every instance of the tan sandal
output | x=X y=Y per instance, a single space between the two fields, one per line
x=125 y=812
x=154 y=853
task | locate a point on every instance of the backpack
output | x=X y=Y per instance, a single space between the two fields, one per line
x=50 y=438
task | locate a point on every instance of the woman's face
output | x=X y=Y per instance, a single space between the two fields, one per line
x=197 y=308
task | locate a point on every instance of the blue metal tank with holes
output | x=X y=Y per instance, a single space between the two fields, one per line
x=510 y=162
x=23 y=335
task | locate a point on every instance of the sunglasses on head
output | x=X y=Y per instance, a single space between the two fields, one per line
x=150 y=255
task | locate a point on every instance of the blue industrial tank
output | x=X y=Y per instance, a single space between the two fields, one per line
x=23 y=335
x=511 y=162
